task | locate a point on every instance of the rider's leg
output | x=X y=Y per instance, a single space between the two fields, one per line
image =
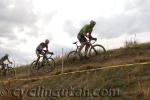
x=3 y=69
x=3 y=66
x=43 y=54
x=86 y=49
x=81 y=47
x=83 y=41
x=38 y=56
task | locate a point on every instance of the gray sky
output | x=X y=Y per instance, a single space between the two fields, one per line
x=26 y=23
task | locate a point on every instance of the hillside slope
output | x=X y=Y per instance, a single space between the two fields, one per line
x=121 y=83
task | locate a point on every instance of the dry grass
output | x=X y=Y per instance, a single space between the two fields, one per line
x=133 y=81
x=131 y=43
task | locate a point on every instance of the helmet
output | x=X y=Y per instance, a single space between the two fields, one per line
x=6 y=55
x=47 y=41
x=92 y=22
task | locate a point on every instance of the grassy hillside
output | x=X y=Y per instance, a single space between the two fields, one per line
x=122 y=83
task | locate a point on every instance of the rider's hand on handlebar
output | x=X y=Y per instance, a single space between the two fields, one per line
x=95 y=39
x=52 y=53
x=90 y=38
x=45 y=50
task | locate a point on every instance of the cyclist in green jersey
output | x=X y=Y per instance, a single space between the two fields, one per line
x=86 y=31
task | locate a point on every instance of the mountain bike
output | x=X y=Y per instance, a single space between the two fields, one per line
x=8 y=70
x=94 y=49
x=46 y=65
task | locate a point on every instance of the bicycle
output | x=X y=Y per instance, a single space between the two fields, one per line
x=8 y=70
x=94 y=49
x=46 y=65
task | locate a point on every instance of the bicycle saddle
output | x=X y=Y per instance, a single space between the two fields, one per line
x=75 y=42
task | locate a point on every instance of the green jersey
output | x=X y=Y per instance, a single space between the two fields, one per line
x=86 y=29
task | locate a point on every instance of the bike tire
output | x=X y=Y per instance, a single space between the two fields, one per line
x=33 y=67
x=73 y=56
x=1 y=72
x=49 y=65
x=10 y=72
x=97 y=50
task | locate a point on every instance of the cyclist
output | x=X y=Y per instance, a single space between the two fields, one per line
x=3 y=59
x=40 y=47
x=86 y=31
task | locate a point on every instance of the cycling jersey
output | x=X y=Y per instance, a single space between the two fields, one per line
x=4 y=58
x=86 y=29
x=41 y=46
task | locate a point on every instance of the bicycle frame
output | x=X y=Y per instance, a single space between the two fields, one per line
x=91 y=43
x=77 y=47
x=41 y=63
x=8 y=69
x=88 y=42
x=6 y=65
x=45 y=55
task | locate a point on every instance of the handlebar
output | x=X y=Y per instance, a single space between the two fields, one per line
x=88 y=41
x=94 y=40
x=47 y=52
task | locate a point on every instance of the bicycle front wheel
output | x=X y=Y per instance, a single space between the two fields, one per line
x=10 y=72
x=49 y=65
x=97 y=50
x=1 y=73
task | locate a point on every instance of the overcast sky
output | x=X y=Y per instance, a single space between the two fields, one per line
x=26 y=23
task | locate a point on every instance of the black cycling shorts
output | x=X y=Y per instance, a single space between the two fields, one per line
x=81 y=38
x=40 y=51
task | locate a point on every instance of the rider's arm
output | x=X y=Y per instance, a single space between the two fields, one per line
x=47 y=47
x=87 y=35
x=90 y=36
x=87 y=31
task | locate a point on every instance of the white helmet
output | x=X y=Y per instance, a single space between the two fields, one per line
x=47 y=41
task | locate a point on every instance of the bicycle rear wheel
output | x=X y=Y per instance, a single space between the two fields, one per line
x=34 y=67
x=73 y=56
